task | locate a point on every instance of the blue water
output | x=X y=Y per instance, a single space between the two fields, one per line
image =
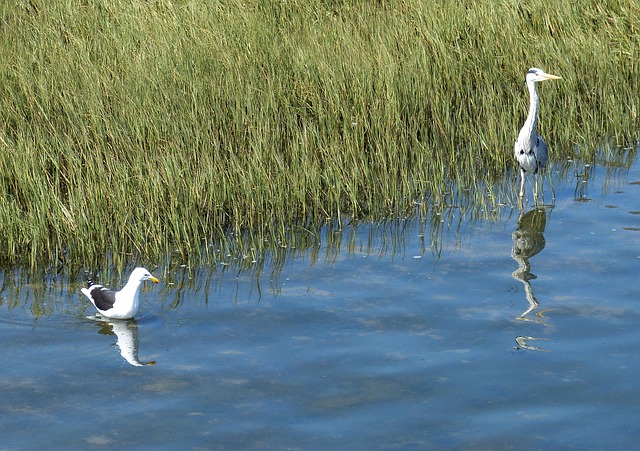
x=514 y=333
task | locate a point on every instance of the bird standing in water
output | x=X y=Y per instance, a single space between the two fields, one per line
x=121 y=304
x=530 y=149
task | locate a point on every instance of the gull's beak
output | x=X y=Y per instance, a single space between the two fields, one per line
x=551 y=77
x=154 y=280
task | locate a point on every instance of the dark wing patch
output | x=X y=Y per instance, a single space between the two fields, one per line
x=103 y=298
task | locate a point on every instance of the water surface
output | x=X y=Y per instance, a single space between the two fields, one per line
x=516 y=333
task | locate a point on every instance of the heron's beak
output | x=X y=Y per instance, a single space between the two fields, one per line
x=551 y=77
x=154 y=280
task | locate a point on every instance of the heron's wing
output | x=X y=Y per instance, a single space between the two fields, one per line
x=542 y=152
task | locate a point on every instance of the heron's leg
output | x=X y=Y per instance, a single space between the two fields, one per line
x=521 y=183
x=541 y=190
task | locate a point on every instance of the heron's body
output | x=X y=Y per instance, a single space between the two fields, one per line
x=530 y=149
x=121 y=304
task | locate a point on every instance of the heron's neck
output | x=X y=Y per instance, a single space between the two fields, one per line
x=529 y=128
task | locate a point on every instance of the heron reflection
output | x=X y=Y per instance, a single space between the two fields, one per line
x=126 y=332
x=528 y=240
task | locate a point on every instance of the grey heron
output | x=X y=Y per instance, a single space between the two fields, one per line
x=530 y=149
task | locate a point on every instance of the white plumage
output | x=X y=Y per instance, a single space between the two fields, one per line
x=121 y=304
x=530 y=149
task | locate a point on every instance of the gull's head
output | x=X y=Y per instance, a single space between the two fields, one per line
x=141 y=274
x=534 y=74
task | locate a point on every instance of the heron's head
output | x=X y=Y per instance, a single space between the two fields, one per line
x=535 y=74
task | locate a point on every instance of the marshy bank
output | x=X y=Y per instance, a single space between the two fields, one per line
x=189 y=130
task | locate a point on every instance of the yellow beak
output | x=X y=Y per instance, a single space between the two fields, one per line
x=154 y=280
x=551 y=77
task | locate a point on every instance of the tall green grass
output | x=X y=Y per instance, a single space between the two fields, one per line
x=165 y=129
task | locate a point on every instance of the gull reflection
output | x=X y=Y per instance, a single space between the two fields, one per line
x=528 y=240
x=126 y=332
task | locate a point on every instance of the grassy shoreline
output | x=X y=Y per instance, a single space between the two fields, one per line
x=151 y=128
